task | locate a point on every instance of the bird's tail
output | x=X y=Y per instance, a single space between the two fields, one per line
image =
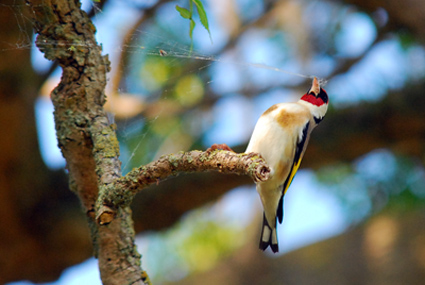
x=268 y=236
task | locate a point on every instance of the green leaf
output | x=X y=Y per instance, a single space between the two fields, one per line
x=192 y=26
x=202 y=16
x=186 y=14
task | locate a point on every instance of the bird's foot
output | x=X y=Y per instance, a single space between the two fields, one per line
x=222 y=146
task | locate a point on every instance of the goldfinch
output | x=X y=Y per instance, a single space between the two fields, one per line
x=281 y=136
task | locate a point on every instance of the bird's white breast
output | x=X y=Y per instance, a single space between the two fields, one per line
x=275 y=136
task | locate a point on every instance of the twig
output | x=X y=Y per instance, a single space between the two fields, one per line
x=121 y=192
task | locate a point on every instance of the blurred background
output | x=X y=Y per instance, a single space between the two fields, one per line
x=355 y=213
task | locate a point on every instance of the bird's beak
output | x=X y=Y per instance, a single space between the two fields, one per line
x=315 y=87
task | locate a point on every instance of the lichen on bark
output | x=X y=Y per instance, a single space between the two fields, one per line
x=90 y=146
x=87 y=141
x=121 y=192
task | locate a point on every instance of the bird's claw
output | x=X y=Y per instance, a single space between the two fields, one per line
x=222 y=146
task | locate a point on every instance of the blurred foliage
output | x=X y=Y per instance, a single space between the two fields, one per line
x=154 y=73
x=163 y=70
x=189 y=91
x=406 y=39
x=376 y=181
x=197 y=243
x=196 y=93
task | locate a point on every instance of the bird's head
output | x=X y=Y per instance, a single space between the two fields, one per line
x=316 y=95
x=316 y=99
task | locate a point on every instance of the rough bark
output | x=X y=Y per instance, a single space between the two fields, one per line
x=89 y=143
x=122 y=191
x=35 y=230
x=87 y=140
x=396 y=123
x=160 y=206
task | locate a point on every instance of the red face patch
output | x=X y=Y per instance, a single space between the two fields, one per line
x=317 y=101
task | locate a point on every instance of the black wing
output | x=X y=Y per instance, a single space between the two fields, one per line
x=294 y=168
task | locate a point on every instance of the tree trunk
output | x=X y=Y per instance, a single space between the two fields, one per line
x=43 y=230
x=87 y=140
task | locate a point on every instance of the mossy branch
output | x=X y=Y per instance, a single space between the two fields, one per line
x=121 y=192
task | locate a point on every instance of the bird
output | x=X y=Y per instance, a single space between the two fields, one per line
x=281 y=136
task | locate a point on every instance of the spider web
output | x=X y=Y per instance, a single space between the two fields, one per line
x=220 y=82
x=165 y=41
x=153 y=44
x=239 y=78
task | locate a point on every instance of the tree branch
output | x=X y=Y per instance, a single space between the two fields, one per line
x=90 y=146
x=87 y=141
x=121 y=192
